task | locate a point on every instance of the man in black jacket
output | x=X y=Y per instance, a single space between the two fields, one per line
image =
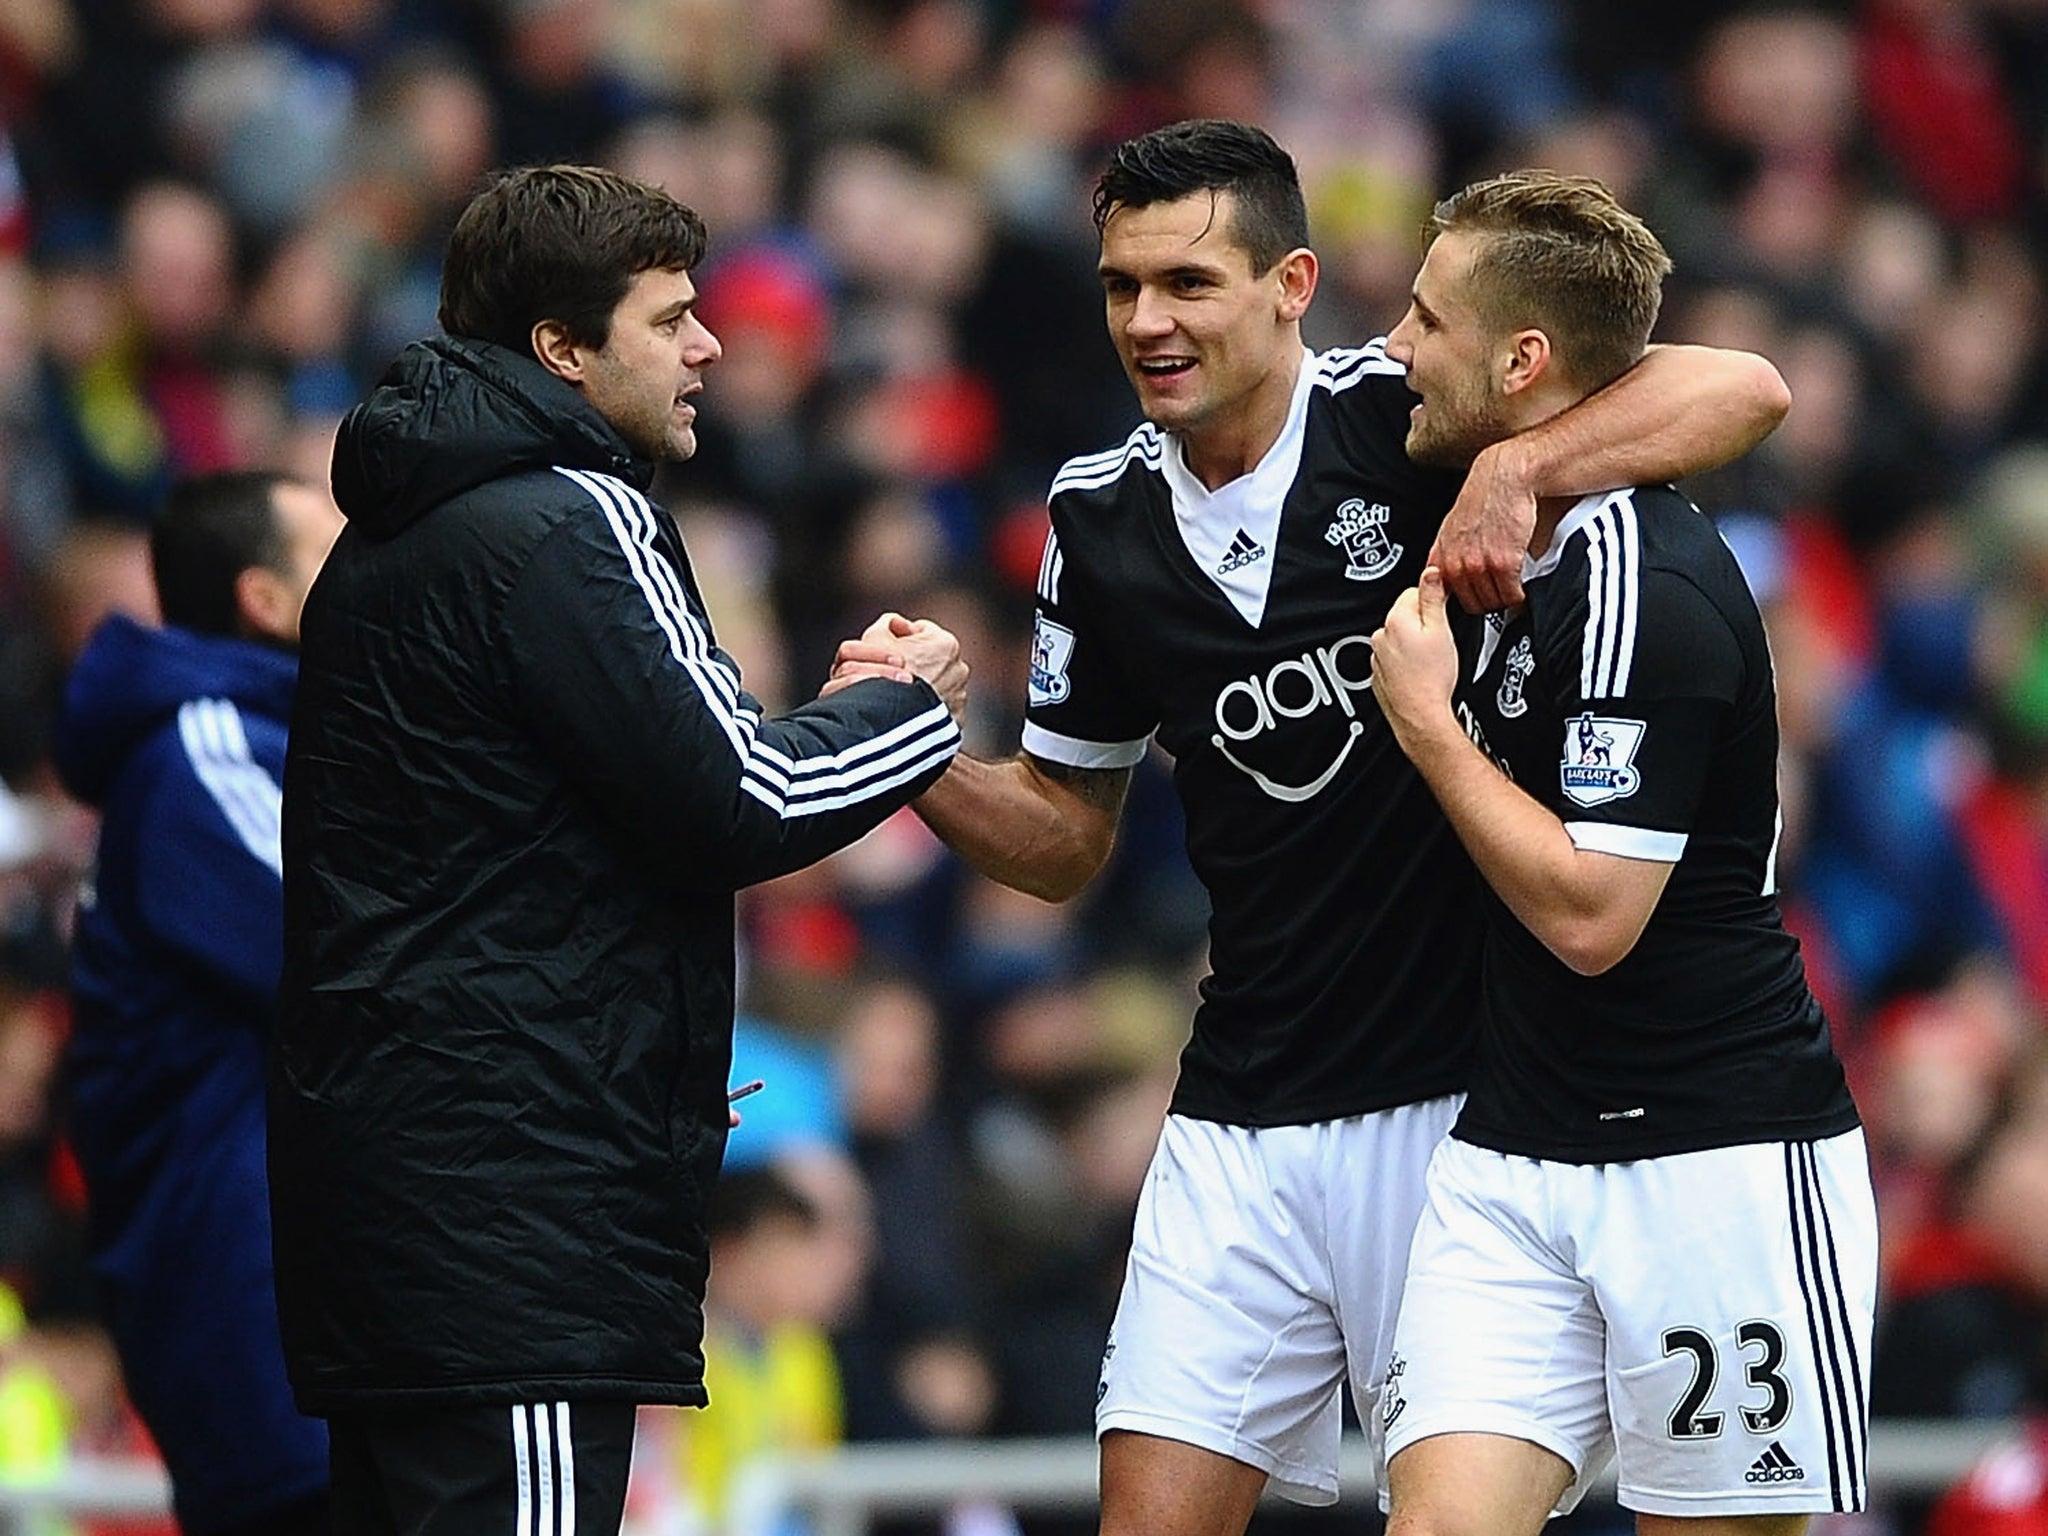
x=523 y=785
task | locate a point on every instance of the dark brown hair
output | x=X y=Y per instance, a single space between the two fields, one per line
x=562 y=243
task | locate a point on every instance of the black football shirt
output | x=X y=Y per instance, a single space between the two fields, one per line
x=1632 y=695
x=1235 y=627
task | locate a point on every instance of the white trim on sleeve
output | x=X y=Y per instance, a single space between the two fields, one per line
x=790 y=787
x=1627 y=842
x=1072 y=752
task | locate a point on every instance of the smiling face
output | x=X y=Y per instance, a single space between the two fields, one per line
x=651 y=367
x=1207 y=341
x=1451 y=355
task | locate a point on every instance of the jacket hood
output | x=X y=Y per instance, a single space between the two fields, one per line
x=130 y=681
x=452 y=414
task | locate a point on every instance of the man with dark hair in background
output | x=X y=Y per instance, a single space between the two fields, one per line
x=177 y=737
x=524 y=784
x=1213 y=580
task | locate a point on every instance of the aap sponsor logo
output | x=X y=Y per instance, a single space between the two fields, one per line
x=1324 y=678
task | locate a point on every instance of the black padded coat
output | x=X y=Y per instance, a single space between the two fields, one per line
x=523 y=785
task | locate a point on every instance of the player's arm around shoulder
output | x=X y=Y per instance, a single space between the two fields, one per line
x=1588 y=908
x=1037 y=826
x=1681 y=410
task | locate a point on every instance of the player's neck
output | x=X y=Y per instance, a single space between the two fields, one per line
x=1231 y=445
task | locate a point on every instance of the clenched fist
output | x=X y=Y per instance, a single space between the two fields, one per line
x=1415 y=664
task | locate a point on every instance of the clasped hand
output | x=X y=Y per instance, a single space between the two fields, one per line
x=901 y=650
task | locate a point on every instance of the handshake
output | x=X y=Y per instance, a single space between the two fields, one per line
x=901 y=650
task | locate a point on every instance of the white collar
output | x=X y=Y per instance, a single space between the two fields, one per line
x=1238 y=524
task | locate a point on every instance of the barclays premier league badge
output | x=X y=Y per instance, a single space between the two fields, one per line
x=1598 y=758
x=1052 y=647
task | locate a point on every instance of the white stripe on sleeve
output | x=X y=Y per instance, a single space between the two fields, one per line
x=1631 y=592
x=210 y=730
x=788 y=786
x=1613 y=592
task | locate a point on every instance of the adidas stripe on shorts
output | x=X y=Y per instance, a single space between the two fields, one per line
x=1265 y=1267
x=1703 y=1319
x=527 y=1469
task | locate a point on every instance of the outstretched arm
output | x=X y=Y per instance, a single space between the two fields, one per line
x=614 y=667
x=1678 y=412
x=1036 y=826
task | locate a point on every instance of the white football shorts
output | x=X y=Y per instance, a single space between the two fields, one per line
x=1265 y=1265
x=1703 y=1319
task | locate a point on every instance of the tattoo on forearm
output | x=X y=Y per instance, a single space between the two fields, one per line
x=1101 y=789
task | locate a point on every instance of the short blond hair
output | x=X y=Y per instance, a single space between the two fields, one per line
x=1562 y=255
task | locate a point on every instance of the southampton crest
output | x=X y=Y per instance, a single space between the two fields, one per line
x=1362 y=531
x=1515 y=673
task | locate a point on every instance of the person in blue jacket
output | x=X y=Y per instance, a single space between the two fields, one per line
x=177 y=736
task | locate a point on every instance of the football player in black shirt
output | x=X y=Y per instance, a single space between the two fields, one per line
x=1651 y=1233
x=1212 y=582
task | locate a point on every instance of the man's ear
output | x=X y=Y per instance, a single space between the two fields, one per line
x=558 y=353
x=1297 y=276
x=1529 y=361
x=264 y=603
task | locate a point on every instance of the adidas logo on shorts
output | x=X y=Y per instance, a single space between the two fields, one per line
x=1775 y=1466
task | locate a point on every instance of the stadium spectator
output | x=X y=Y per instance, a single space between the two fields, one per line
x=1213 y=579
x=522 y=787
x=769 y=1369
x=914 y=1355
x=2006 y=1492
x=177 y=736
x=1969 y=1292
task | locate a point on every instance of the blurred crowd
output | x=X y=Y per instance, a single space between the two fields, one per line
x=220 y=218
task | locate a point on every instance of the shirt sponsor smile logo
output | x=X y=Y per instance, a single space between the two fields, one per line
x=1362 y=531
x=1258 y=706
x=1052 y=647
x=1597 y=755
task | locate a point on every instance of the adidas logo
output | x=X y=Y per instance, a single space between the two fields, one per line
x=1244 y=549
x=1775 y=1466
